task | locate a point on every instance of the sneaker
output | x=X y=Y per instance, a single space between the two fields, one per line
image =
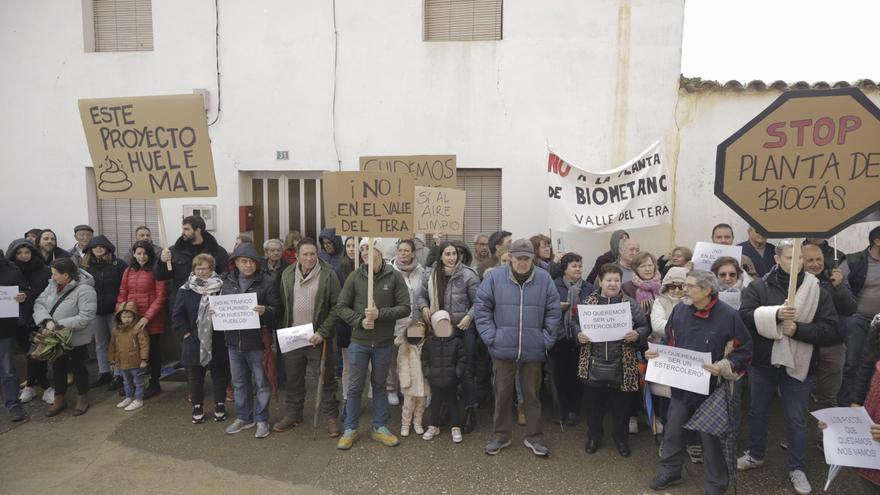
x=385 y=437
x=799 y=482
x=263 y=429
x=658 y=427
x=633 y=425
x=238 y=425
x=393 y=399
x=747 y=462
x=418 y=429
x=135 y=405
x=49 y=395
x=404 y=430
x=537 y=447
x=198 y=414
x=695 y=452
x=431 y=432
x=456 y=435
x=347 y=439
x=333 y=428
x=16 y=413
x=495 y=445
x=219 y=412
x=125 y=402
x=27 y=394
x=783 y=445
x=664 y=480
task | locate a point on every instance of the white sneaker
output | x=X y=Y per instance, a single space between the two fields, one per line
x=799 y=482
x=431 y=432
x=125 y=402
x=49 y=395
x=393 y=399
x=135 y=405
x=26 y=395
x=418 y=429
x=456 y=435
x=633 y=425
x=747 y=462
x=658 y=427
x=404 y=430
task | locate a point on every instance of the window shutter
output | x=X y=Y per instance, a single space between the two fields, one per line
x=118 y=219
x=462 y=20
x=482 y=210
x=123 y=25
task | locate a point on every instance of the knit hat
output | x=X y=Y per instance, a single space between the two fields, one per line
x=522 y=247
x=675 y=275
x=441 y=323
x=377 y=244
x=83 y=227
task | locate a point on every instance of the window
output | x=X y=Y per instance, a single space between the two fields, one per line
x=462 y=20
x=118 y=219
x=285 y=202
x=121 y=26
x=482 y=209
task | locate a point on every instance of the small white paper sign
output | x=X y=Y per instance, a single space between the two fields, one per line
x=8 y=304
x=847 y=440
x=605 y=322
x=290 y=339
x=234 y=311
x=679 y=368
x=705 y=253
x=734 y=299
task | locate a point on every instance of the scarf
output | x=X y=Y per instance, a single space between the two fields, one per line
x=437 y=285
x=574 y=291
x=646 y=291
x=204 y=325
x=406 y=268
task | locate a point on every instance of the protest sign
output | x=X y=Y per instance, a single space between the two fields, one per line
x=439 y=210
x=234 y=311
x=679 y=368
x=705 y=253
x=633 y=195
x=733 y=299
x=149 y=147
x=848 y=440
x=369 y=204
x=605 y=322
x=8 y=304
x=290 y=339
x=806 y=166
x=427 y=170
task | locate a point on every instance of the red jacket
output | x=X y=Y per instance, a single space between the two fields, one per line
x=148 y=294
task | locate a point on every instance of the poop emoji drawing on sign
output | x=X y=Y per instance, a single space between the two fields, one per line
x=113 y=179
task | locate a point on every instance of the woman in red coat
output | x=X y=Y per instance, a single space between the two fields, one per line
x=149 y=295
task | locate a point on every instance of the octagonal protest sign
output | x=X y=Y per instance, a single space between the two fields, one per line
x=807 y=166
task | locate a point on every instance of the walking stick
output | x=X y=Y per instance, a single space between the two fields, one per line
x=318 y=391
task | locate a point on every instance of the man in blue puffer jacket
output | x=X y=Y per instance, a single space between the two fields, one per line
x=518 y=314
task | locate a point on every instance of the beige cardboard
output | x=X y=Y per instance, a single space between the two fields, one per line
x=149 y=147
x=428 y=170
x=439 y=210
x=369 y=204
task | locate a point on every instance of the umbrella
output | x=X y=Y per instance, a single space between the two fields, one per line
x=318 y=391
x=268 y=360
x=715 y=417
x=649 y=410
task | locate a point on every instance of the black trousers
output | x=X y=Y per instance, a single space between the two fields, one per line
x=75 y=362
x=601 y=399
x=220 y=378
x=565 y=356
x=155 y=360
x=37 y=371
x=449 y=397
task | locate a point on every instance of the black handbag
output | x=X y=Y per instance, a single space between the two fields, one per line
x=607 y=371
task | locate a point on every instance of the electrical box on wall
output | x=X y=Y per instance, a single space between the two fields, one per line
x=208 y=213
x=245 y=218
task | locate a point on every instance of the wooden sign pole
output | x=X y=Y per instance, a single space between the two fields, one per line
x=357 y=253
x=793 y=270
x=164 y=234
x=370 y=256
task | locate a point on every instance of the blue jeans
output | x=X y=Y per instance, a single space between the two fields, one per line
x=102 y=327
x=359 y=357
x=763 y=383
x=856 y=329
x=8 y=378
x=133 y=382
x=243 y=366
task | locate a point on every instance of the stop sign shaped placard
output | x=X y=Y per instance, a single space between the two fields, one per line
x=807 y=166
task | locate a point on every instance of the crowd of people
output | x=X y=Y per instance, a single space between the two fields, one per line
x=451 y=328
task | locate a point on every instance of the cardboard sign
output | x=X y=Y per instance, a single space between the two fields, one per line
x=149 y=147
x=848 y=440
x=705 y=253
x=439 y=210
x=8 y=305
x=290 y=339
x=234 y=311
x=605 y=322
x=427 y=170
x=679 y=368
x=633 y=195
x=369 y=204
x=807 y=166
x=733 y=299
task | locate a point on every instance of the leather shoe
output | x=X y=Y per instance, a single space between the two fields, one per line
x=592 y=446
x=286 y=423
x=623 y=449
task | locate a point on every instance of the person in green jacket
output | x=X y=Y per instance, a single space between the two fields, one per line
x=372 y=339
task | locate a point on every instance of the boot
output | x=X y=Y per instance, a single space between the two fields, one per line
x=520 y=414
x=59 y=405
x=81 y=406
x=470 y=419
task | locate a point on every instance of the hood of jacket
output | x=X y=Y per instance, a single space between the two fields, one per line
x=329 y=233
x=245 y=250
x=37 y=261
x=615 y=241
x=126 y=306
x=467 y=258
x=100 y=240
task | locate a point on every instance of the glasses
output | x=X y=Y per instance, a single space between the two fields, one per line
x=689 y=286
x=203 y=269
x=676 y=286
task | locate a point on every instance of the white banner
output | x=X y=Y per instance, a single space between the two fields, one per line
x=234 y=311
x=290 y=339
x=633 y=195
x=847 y=440
x=605 y=322
x=705 y=253
x=679 y=368
x=8 y=304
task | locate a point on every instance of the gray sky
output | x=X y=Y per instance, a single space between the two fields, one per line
x=807 y=40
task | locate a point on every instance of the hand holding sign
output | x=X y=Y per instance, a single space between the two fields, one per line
x=849 y=437
x=606 y=322
x=705 y=253
x=8 y=302
x=234 y=311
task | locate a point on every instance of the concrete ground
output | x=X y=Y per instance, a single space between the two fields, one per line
x=157 y=450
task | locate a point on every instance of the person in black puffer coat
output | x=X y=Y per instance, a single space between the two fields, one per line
x=10 y=275
x=99 y=259
x=27 y=257
x=443 y=364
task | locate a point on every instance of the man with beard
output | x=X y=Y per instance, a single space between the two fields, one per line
x=48 y=244
x=723 y=234
x=481 y=249
x=194 y=240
